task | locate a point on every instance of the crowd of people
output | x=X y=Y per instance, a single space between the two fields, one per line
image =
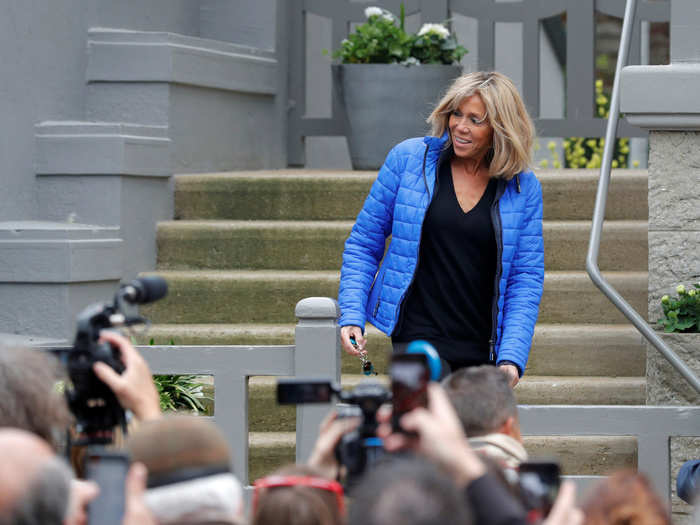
x=455 y=461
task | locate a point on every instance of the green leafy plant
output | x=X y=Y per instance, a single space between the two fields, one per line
x=180 y=392
x=682 y=313
x=581 y=152
x=383 y=40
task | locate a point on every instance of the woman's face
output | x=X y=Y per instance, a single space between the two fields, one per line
x=471 y=133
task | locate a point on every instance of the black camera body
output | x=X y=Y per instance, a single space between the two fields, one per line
x=95 y=407
x=360 y=448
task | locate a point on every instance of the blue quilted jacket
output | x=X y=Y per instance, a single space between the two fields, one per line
x=396 y=207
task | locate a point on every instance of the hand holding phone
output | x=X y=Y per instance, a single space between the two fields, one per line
x=108 y=468
x=410 y=375
x=539 y=485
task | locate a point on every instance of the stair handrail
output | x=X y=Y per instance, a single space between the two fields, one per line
x=599 y=214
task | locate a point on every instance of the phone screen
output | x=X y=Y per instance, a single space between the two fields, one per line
x=539 y=485
x=292 y=392
x=108 y=469
x=409 y=385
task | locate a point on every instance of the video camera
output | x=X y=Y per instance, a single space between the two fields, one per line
x=361 y=449
x=94 y=405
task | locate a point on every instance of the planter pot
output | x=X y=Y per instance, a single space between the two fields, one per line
x=665 y=386
x=387 y=103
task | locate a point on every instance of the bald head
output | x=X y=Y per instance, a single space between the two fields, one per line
x=23 y=456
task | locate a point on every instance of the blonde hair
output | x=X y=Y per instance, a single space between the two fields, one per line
x=513 y=130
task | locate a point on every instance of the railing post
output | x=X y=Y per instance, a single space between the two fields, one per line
x=317 y=355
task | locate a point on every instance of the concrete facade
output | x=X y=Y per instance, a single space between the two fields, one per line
x=102 y=102
x=663 y=99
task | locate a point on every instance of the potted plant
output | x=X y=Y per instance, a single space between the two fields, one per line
x=389 y=80
x=681 y=325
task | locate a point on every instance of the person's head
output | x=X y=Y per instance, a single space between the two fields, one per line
x=190 y=479
x=484 y=401
x=28 y=397
x=485 y=116
x=625 y=498
x=35 y=485
x=297 y=495
x=407 y=491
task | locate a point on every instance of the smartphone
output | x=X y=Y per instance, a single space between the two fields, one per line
x=108 y=468
x=410 y=375
x=539 y=485
x=299 y=391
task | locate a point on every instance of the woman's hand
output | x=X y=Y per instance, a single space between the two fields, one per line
x=512 y=372
x=346 y=332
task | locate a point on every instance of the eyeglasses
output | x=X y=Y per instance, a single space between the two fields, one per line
x=305 y=481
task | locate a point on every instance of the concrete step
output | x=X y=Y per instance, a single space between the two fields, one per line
x=269 y=296
x=318 y=245
x=562 y=350
x=338 y=195
x=266 y=416
x=580 y=455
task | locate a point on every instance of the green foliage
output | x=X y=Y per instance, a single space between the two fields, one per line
x=180 y=392
x=381 y=41
x=682 y=313
x=580 y=152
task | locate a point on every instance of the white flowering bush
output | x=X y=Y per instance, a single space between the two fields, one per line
x=383 y=40
x=682 y=313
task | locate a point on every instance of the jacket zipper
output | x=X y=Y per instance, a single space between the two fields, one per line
x=497 y=228
x=420 y=236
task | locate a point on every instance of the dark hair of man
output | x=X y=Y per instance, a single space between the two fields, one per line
x=297 y=504
x=482 y=397
x=45 y=501
x=28 y=399
x=409 y=491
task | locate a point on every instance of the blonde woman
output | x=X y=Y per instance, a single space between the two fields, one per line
x=465 y=266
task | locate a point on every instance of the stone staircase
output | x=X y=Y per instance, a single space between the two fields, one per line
x=246 y=246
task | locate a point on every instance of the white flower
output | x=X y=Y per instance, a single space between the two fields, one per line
x=386 y=15
x=344 y=41
x=437 y=29
x=680 y=289
x=410 y=61
x=373 y=11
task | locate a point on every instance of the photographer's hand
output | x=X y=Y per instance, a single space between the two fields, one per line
x=136 y=511
x=440 y=436
x=134 y=387
x=331 y=430
x=564 y=511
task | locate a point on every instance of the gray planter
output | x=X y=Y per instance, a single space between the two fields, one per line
x=665 y=386
x=387 y=103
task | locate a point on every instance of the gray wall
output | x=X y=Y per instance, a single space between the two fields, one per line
x=42 y=50
x=102 y=101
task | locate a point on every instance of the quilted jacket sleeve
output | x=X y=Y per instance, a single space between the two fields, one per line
x=365 y=246
x=525 y=281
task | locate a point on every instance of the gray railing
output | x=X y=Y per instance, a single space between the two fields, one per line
x=579 y=58
x=652 y=426
x=315 y=354
x=599 y=215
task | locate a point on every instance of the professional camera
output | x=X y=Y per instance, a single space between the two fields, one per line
x=94 y=405
x=360 y=448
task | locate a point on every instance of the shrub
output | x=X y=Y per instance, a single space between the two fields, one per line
x=582 y=152
x=381 y=41
x=682 y=313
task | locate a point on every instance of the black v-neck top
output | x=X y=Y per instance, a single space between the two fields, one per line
x=450 y=301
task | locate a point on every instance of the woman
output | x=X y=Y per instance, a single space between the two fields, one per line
x=297 y=495
x=465 y=266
